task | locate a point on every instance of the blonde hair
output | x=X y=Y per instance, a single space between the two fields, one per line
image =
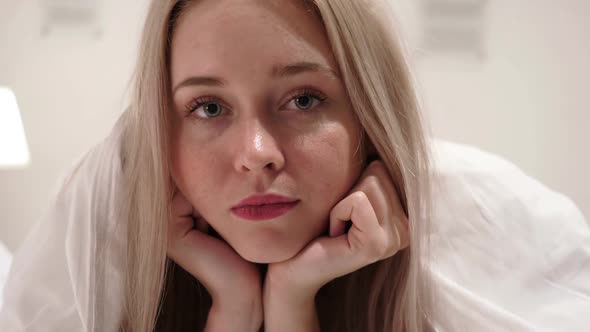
x=392 y=294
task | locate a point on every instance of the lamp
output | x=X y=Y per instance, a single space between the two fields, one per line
x=14 y=152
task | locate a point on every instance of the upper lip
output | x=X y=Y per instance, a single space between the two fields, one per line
x=255 y=200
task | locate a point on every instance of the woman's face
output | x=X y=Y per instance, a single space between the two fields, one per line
x=259 y=108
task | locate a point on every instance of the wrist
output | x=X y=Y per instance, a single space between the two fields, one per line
x=285 y=285
x=242 y=301
x=247 y=316
x=288 y=307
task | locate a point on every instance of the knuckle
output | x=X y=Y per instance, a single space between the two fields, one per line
x=377 y=249
x=359 y=197
x=391 y=249
x=372 y=181
x=377 y=166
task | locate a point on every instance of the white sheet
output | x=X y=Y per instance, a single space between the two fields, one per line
x=510 y=253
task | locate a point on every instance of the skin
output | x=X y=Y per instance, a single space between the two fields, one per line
x=256 y=138
x=262 y=142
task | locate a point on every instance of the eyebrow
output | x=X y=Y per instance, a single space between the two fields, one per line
x=277 y=72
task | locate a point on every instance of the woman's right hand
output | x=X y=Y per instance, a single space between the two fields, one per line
x=233 y=283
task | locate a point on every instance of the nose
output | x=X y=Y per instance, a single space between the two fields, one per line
x=257 y=149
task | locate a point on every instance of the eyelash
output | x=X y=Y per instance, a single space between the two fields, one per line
x=194 y=104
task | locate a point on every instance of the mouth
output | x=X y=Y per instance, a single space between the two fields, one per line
x=264 y=211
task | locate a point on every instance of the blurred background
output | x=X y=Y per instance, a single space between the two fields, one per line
x=509 y=77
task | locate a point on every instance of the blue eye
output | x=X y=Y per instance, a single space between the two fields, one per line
x=210 y=107
x=307 y=99
x=205 y=108
x=211 y=110
x=304 y=102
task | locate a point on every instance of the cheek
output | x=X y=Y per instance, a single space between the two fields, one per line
x=191 y=168
x=328 y=163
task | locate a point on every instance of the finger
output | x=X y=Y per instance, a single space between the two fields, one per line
x=357 y=208
x=378 y=186
x=367 y=240
x=180 y=222
x=172 y=186
x=197 y=252
x=329 y=258
x=340 y=254
x=180 y=206
x=387 y=182
x=402 y=232
x=178 y=228
x=184 y=218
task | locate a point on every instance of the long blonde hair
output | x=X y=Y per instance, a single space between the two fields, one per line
x=390 y=295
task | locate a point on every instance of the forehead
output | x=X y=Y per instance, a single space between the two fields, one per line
x=255 y=32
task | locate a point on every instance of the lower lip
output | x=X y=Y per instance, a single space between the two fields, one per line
x=263 y=212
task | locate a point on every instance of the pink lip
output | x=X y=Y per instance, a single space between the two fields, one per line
x=257 y=208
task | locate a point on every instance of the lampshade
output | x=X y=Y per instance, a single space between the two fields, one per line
x=14 y=152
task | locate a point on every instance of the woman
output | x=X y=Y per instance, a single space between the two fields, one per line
x=179 y=227
x=254 y=101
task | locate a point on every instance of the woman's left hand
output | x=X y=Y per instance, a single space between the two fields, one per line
x=379 y=230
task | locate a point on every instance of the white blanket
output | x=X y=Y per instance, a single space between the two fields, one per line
x=510 y=254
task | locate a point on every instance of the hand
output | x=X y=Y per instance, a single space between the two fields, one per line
x=234 y=283
x=379 y=230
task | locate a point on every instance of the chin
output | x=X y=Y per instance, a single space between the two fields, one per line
x=262 y=255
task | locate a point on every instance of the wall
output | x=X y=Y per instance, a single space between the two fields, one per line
x=526 y=100
x=70 y=87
